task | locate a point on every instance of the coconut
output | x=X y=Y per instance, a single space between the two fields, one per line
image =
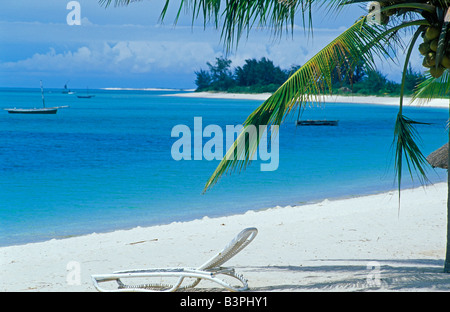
x=437 y=72
x=445 y=61
x=434 y=45
x=425 y=63
x=432 y=33
x=424 y=48
x=431 y=59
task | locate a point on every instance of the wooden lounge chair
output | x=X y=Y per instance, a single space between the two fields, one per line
x=208 y=271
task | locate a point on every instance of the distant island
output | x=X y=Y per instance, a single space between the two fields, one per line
x=262 y=76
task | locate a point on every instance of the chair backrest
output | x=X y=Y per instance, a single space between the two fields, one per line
x=234 y=247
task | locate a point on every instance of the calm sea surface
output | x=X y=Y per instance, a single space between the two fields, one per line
x=105 y=163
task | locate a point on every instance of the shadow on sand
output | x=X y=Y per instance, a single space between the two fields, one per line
x=355 y=275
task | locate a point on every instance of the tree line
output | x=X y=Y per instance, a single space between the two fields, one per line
x=253 y=77
x=258 y=76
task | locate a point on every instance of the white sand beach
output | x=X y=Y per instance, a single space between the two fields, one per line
x=442 y=103
x=354 y=244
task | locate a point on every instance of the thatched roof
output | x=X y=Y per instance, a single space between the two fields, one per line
x=439 y=158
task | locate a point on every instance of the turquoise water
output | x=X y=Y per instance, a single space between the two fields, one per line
x=105 y=163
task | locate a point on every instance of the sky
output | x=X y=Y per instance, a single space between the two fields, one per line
x=128 y=47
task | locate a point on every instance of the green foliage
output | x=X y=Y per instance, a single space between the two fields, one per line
x=270 y=88
x=220 y=73
x=375 y=83
x=412 y=80
x=261 y=73
x=264 y=77
x=203 y=80
x=253 y=77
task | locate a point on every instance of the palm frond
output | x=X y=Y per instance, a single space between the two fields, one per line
x=107 y=3
x=405 y=134
x=406 y=148
x=432 y=88
x=406 y=64
x=359 y=42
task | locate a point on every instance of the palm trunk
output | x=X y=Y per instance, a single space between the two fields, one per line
x=447 y=255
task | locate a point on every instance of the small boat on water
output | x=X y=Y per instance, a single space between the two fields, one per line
x=52 y=110
x=317 y=122
x=86 y=96
x=40 y=110
x=66 y=90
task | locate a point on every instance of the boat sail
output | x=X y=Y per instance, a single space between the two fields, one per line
x=43 y=110
x=66 y=90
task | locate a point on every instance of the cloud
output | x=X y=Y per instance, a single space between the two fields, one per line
x=132 y=57
x=176 y=54
x=285 y=51
x=86 y=22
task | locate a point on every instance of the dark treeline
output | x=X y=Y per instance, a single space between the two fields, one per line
x=263 y=76
x=253 y=77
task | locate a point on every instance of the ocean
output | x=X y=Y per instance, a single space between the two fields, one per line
x=105 y=163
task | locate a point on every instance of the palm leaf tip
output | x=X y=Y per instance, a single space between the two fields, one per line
x=244 y=149
x=406 y=148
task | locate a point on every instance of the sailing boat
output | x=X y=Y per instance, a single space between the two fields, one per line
x=87 y=96
x=67 y=91
x=43 y=110
x=317 y=122
x=321 y=122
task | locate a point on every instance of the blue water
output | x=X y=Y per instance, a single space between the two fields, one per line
x=105 y=163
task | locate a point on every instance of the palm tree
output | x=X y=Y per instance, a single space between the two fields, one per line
x=378 y=33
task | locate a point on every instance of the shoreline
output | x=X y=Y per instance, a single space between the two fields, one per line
x=216 y=215
x=296 y=249
x=438 y=103
x=145 y=89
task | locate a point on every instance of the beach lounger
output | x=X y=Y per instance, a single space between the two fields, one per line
x=210 y=270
